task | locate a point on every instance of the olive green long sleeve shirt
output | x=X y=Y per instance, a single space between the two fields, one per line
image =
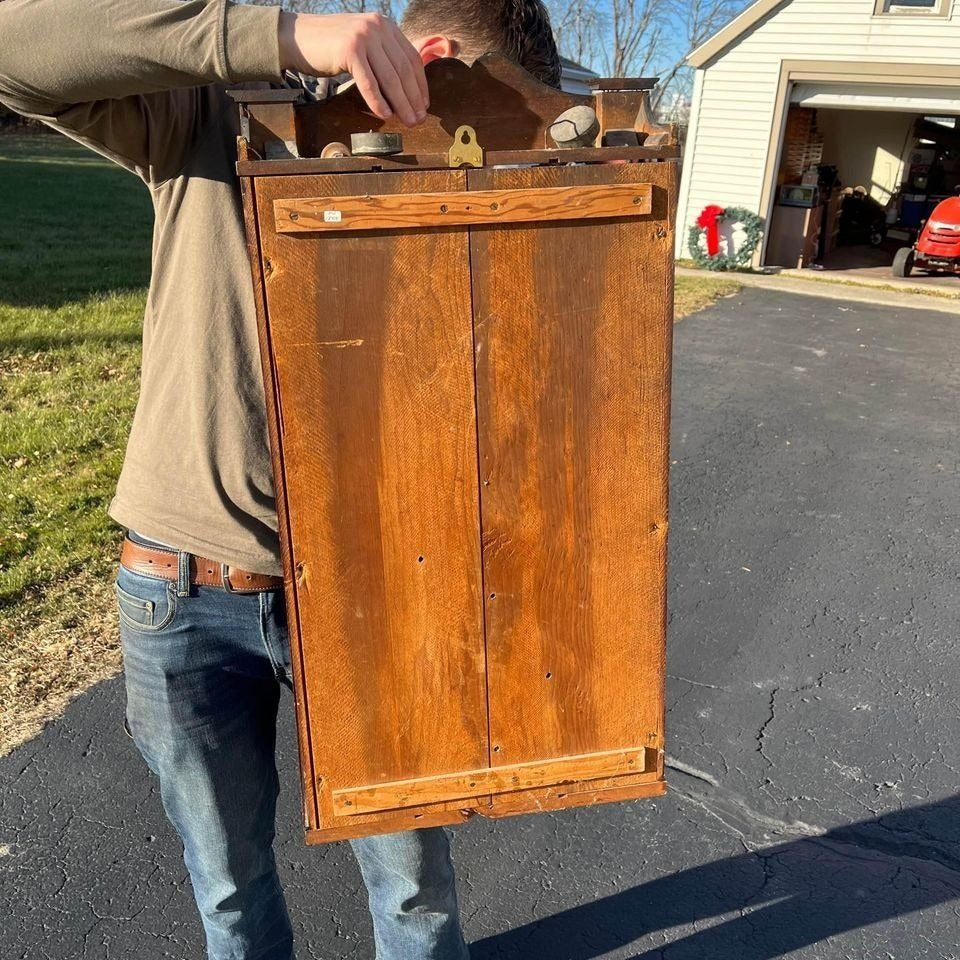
x=143 y=83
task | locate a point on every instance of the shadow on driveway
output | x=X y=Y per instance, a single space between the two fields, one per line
x=781 y=898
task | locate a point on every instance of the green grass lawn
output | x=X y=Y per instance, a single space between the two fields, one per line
x=74 y=265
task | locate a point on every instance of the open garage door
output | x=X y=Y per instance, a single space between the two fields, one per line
x=862 y=166
x=916 y=99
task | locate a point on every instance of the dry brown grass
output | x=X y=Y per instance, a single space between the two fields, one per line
x=695 y=293
x=54 y=645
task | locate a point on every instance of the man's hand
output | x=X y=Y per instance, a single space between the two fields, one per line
x=371 y=48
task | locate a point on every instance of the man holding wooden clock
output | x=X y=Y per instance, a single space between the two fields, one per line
x=143 y=82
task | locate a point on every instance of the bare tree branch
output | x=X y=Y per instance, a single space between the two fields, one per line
x=641 y=37
x=613 y=37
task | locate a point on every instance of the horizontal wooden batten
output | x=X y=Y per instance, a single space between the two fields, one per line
x=521 y=776
x=458 y=208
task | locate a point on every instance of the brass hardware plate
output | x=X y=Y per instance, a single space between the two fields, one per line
x=465 y=151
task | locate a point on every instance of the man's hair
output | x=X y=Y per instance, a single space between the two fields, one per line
x=519 y=29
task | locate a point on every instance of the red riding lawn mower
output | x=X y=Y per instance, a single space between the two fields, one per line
x=938 y=246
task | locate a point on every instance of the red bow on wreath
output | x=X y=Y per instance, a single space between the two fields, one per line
x=709 y=220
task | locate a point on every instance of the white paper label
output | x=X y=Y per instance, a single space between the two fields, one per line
x=332 y=216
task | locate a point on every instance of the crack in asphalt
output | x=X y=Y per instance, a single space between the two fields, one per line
x=763 y=727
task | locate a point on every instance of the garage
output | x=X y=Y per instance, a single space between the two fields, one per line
x=836 y=124
x=861 y=168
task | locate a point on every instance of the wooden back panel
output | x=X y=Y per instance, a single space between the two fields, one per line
x=471 y=429
x=573 y=329
x=372 y=351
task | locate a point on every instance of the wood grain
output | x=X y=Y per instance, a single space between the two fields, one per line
x=573 y=327
x=351 y=828
x=399 y=211
x=472 y=422
x=372 y=347
x=509 y=805
x=471 y=783
x=563 y=799
x=271 y=396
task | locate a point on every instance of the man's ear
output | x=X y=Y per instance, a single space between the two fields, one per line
x=436 y=47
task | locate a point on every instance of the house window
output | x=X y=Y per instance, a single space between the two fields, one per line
x=919 y=8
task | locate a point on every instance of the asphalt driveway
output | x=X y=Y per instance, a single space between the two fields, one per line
x=813 y=702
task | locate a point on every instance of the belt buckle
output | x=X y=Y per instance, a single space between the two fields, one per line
x=225 y=577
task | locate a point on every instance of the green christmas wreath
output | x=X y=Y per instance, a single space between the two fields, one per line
x=710 y=256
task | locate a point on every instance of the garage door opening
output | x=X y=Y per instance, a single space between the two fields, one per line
x=860 y=169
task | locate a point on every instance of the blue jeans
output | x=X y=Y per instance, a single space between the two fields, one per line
x=203 y=676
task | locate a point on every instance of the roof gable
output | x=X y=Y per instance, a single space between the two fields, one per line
x=732 y=32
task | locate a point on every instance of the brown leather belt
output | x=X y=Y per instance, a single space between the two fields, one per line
x=163 y=564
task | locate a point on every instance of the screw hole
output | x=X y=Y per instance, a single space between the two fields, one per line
x=549 y=675
x=496 y=749
x=493 y=596
x=443 y=208
x=419 y=559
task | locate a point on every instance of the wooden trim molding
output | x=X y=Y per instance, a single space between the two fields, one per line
x=493 y=780
x=456 y=208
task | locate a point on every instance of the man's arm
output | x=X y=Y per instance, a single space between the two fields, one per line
x=130 y=77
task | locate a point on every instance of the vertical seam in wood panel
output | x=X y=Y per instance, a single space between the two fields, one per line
x=476 y=418
x=272 y=392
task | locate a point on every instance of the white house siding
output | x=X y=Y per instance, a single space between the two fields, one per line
x=734 y=103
